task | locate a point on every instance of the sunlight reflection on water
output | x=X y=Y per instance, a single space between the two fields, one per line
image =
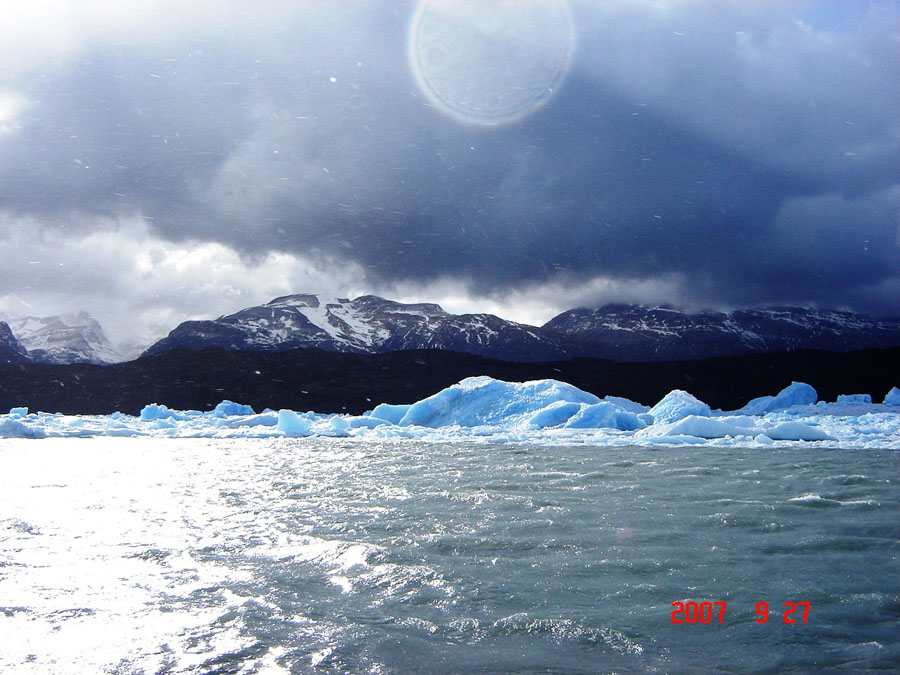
x=132 y=555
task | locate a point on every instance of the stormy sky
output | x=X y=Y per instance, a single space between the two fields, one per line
x=163 y=160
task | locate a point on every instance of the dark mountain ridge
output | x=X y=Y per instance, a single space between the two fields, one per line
x=333 y=382
x=630 y=333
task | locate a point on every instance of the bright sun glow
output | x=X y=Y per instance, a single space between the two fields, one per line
x=490 y=63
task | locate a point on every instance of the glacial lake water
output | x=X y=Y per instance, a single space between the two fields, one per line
x=140 y=555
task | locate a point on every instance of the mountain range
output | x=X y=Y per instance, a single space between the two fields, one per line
x=370 y=324
x=373 y=325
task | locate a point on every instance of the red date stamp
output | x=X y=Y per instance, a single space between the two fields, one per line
x=714 y=612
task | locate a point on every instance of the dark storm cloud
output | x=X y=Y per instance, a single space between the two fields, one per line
x=720 y=141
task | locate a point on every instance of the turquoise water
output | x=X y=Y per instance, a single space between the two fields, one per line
x=204 y=555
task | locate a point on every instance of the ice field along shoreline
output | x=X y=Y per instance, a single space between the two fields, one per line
x=490 y=410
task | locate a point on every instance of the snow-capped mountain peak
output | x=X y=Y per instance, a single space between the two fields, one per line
x=70 y=338
x=363 y=325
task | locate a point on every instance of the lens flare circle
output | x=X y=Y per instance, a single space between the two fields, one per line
x=490 y=62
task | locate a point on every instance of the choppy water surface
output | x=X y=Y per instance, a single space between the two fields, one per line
x=148 y=555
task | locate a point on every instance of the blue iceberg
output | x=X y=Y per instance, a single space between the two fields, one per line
x=797 y=393
x=484 y=401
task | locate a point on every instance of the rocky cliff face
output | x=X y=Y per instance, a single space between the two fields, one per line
x=11 y=350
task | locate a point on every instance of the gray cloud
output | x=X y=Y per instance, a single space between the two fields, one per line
x=752 y=157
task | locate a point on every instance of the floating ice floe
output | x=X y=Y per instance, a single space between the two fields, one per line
x=291 y=424
x=798 y=393
x=542 y=412
x=677 y=405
